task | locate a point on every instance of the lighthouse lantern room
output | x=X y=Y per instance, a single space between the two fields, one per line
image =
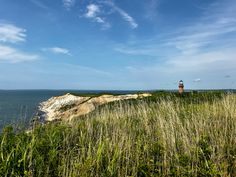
x=181 y=86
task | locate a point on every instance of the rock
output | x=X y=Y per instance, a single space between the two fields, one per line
x=68 y=106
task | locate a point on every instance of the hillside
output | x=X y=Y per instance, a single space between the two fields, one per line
x=162 y=135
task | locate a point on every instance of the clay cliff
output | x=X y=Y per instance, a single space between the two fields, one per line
x=68 y=106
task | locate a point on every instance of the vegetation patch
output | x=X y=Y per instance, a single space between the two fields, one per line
x=164 y=135
x=67 y=107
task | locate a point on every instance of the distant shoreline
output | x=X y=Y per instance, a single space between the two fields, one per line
x=111 y=91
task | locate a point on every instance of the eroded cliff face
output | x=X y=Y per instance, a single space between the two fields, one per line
x=68 y=106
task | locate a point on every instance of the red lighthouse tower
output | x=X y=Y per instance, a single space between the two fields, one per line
x=181 y=86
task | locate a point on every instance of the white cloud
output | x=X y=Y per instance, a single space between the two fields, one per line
x=99 y=20
x=209 y=65
x=127 y=18
x=11 y=33
x=12 y=55
x=123 y=14
x=58 y=50
x=216 y=29
x=197 y=80
x=68 y=3
x=194 y=38
x=212 y=29
x=93 y=12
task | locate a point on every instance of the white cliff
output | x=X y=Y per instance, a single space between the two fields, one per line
x=68 y=106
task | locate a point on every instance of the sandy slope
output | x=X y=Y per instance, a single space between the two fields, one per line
x=68 y=106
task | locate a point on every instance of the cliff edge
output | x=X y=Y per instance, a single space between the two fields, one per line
x=68 y=106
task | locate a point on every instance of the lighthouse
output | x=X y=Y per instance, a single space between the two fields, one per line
x=181 y=86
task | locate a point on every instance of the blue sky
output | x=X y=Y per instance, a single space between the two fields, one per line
x=111 y=44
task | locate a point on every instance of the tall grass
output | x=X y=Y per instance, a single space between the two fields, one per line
x=166 y=137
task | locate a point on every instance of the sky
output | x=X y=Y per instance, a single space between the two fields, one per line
x=117 y=44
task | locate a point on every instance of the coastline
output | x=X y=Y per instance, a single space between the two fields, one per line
x=68 y=106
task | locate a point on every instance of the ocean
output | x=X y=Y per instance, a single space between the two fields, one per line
x=18 y=107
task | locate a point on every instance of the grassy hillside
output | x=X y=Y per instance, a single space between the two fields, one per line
x=165 y=135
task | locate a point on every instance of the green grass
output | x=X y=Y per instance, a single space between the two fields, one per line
x=165 y=135
x=104 y=93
